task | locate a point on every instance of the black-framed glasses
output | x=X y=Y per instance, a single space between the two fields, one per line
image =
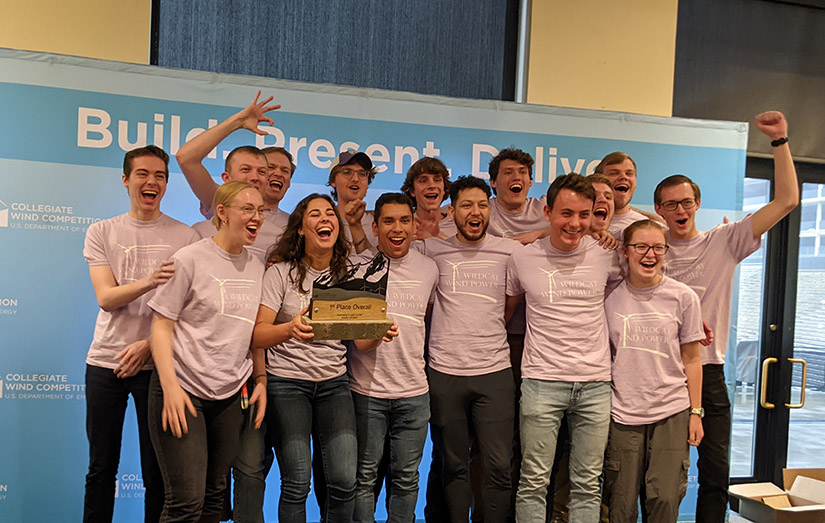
x=248 y=210
x=687 y=203
x=642 y=248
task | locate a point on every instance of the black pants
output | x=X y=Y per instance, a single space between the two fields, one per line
x=106 y=400
x=195 y=467
x=713 y=463
x=483 y=405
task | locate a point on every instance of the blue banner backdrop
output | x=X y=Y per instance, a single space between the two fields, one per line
x=66 y=123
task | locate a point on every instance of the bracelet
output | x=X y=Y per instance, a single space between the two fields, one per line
x=779 y=141
x=263 y=375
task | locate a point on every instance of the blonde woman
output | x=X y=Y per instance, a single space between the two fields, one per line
x=200 y=343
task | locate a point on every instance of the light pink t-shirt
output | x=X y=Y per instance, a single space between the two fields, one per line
x=706 y=264
x=619 y=223
x=506 y=224
x=467 y=336
x=268 y=234
x=132 y=249
x=294 y=359
x=396 y=370
x=647 y=328
x=566 y=338
x=213 y=300
x=366 y=223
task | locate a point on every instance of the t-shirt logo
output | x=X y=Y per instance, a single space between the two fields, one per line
x=639 y=334
x=141 y=259
x=687 y=271
x=563 y=288
x=464 y=277
x=233 y=299
x=402 y=297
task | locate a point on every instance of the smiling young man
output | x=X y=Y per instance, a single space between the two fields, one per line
x=620 y=169
x=471 y=384
x=604 y=206
x=389 y=384
x=706 y=261
x=428 y=184
x=565 y=368
x=512 y=213
x=350 y=175
x=267 y=171
x=128 y=258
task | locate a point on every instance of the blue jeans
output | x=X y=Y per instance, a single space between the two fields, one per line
x=543 y=404
x=405 y=422
x=298 y=409
x=195 y=467
x=106 y=400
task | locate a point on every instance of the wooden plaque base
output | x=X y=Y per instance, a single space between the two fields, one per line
x=348 y=329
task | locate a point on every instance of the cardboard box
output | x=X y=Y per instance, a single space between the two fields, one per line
x=805 y=493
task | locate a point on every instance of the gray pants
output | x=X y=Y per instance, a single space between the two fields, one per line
x=651 y=460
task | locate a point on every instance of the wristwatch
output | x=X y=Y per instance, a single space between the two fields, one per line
x=698 y=411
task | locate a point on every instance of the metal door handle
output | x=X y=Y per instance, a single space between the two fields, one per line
x=763 y=393
x=804 y=379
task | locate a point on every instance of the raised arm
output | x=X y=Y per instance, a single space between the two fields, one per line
x=786 y=193
x=111 y=296
x=190 y=156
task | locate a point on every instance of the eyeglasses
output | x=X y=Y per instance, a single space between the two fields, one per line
x=248 y=210
x=643 y=248
x=349 y=173
x=687 y=203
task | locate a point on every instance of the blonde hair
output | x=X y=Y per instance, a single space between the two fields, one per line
x=225 y=194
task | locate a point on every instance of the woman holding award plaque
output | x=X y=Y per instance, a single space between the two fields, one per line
x=307 y=380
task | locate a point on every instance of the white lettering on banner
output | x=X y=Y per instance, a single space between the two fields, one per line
x=100 y=127
x=93 y=130
x=480 y=149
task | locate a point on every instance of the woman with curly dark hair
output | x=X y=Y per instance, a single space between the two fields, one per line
x=307 y=380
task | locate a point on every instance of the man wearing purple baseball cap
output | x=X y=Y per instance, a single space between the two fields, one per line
x=349 y=176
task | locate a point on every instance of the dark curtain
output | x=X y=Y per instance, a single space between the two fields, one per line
x=736 y=58
x=459 y=48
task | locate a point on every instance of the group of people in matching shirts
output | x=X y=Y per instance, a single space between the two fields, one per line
x=518 y=324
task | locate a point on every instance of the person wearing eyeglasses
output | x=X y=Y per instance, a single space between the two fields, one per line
x=655 y=325
x=706 y=261
x=350 y=174
x=566 y=368
x=200 y=339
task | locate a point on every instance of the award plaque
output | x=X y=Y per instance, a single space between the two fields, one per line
x=354 y=307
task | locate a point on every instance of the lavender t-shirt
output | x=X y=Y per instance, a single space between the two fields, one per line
x=706 y=264
x=566 y=338
x=396 y=370
x=619 y=223
x=131 y=249
x=506 y=224
x=268 y=234
x=467 y=336
x=647 y=328
x=294 y=359
x=213 y=299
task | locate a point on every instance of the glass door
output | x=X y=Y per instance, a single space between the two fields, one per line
x=806 y=427
x=776 y=364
